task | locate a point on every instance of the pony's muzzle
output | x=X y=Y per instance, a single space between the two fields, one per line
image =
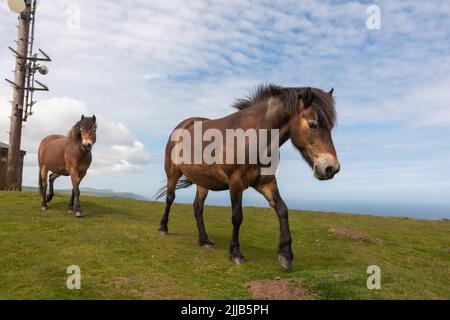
x=87 y=145
x=326 y=167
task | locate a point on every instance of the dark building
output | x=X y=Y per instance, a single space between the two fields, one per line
x=3 y=164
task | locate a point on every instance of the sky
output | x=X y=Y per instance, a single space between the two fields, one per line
x=143 y=66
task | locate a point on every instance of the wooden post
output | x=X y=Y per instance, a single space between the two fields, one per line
x=13 y=171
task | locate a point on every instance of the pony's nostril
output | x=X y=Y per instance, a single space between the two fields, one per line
x=330 y=171
x=87 y=145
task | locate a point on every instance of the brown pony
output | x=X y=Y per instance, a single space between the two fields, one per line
x=304 y=115
x=64 y=156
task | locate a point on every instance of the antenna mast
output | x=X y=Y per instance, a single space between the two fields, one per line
x=23 y=85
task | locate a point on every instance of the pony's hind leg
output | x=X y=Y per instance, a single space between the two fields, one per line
x=70 y=205
x=43 y=172
x=198 y=212
x=52 y=179
x=170 y=197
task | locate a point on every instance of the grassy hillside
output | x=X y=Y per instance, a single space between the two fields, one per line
x=122 y=255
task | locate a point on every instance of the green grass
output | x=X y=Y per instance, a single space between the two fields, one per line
x=122 y=256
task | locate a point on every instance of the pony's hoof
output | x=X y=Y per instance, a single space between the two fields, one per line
x=237 y=260
x=44 y=208
x=208 y=246
x=79 y=214
x=163 y=233
x=70 y=211
x=285 y=262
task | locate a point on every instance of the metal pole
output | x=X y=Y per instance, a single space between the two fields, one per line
x=13 y=170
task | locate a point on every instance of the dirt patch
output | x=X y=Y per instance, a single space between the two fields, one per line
x=354 y=235
x=277 y=290
x=124 y=280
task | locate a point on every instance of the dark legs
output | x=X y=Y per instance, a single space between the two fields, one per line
x=198 y=212
x=170 y=197
x=270 y=192
x=52 y=179
x=75 y=198
x=70 y=205
x=285 y=251
x=76 y=194
x=236 y=190
x=43 y=172
x=76 y=179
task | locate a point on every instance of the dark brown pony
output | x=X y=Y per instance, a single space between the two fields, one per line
x=306 y=116
x=64 y=156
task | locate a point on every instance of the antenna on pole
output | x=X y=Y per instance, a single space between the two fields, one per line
x=30 y=60
x=24 y=84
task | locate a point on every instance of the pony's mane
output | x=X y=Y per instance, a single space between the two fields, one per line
x=322 y=101
x=74 y=133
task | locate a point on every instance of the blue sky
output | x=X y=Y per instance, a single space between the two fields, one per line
x=143 y=66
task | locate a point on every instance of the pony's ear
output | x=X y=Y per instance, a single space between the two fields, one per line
x=331 y=92
x=306 y=97
x=82 y=117
x=95 y=119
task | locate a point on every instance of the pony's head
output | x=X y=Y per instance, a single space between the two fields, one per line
x=88 y=128
x=310 y=131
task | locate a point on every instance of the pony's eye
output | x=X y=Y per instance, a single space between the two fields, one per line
x=312 y=125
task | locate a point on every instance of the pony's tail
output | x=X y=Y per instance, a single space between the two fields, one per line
x=182 y=183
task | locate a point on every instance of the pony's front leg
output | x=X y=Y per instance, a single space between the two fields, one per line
x=285 y=256
x=270 y=191
x=236 y=191
x=76 y=179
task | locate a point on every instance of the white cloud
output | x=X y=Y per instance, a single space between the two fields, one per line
x=143 y=66
x=131 y=55
x=426 y=105
x=116 y=150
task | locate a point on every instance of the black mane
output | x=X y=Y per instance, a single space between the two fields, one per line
x=322 y=101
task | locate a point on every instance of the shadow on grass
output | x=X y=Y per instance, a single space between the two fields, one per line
x=90 y=209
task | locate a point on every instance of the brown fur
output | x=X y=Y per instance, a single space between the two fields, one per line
x=294 y=111
x=64 y=156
